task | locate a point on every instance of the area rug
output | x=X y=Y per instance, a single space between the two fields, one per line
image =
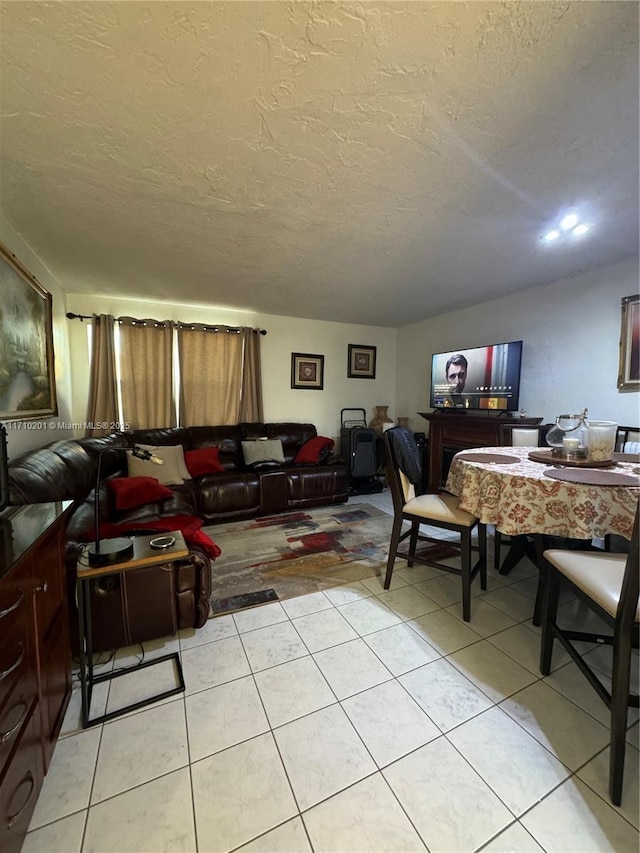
x=296 y=553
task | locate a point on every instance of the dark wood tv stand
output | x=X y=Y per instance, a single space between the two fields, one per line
x=458 y=430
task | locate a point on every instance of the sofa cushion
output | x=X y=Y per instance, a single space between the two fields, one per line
x=174 y=471
x=292 y=435
x=316 y=486
x=234 y=494
x=184 y=500
x=130 y=492
x=160 y=436
x=314 y=451
x=226 y=438
x=203 y=461
x=262 y=450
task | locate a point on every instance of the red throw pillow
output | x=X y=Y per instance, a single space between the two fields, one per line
x=315 y=450
x=135 y=491
x=203 y=461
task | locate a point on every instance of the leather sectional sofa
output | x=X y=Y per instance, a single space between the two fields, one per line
x=158 y=601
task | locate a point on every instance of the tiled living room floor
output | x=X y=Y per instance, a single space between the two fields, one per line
x=355 y=721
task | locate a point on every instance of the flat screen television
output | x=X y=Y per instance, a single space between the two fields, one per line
x=477 y=378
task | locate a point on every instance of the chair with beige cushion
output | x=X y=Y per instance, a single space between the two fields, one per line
x=435 y=510
x=519 y=546
x=608 y=584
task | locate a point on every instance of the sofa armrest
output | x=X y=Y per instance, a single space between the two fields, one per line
x=193 y=588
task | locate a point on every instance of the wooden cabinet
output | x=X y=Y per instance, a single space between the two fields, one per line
x=35 y=680
x=454 y=431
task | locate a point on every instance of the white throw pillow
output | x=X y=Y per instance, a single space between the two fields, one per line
x=174 y=471
x=269 y=450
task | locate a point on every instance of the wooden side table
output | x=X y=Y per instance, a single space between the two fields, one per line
x=143 y=556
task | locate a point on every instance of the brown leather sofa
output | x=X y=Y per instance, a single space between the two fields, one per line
x=158 y=601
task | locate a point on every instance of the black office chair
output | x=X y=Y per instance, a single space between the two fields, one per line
x=512 y=435
x=437 y=510
x=608 y=583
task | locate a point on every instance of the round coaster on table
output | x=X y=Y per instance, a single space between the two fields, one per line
x=496 y=458
x=593 y=477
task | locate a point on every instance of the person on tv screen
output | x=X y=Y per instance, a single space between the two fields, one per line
x=456 y=372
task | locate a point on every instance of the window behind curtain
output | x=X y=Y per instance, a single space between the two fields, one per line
x=217 y=371
x=210 y=376
x=145 y=357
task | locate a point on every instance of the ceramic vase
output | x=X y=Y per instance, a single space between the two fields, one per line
x=380 y=417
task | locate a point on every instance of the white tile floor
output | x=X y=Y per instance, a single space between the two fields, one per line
x=355 y=721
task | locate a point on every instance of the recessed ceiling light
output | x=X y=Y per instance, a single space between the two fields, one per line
x=580 y=229
x=570 y=221
x=552 y=235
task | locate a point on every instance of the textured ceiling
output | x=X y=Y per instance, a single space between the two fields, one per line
x=373 y=163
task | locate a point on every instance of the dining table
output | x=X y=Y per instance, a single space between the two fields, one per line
x=527 y=491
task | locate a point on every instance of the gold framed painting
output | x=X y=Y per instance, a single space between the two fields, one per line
x=307 y=371
x=361 y=362
x=629 y=370
x=27 y=378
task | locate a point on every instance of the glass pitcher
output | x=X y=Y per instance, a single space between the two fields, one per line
x=569 y=438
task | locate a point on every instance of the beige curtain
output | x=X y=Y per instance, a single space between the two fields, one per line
x=219 y=384
x=146 y=373
x=103 y=394
x=251 y=401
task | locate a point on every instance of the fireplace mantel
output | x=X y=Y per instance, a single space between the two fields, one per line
x=461 y=430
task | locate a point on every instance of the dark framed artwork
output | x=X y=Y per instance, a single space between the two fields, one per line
x=361 y=362
x=307 y=371
x=629 y=371
x=27 y=378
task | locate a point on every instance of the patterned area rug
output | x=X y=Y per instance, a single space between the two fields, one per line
x=296 y=553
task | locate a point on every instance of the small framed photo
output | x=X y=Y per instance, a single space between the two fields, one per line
x=362 y=362
x=307 y=371
x=629 y=372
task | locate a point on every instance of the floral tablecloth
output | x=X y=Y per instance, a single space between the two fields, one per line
x=519 y=498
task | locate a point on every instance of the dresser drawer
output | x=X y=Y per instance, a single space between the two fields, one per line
x=14 y=713
x=20 y=785
x=15 y=603
x=16 y=659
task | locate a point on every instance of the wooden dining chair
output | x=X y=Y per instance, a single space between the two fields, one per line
x=512 y=435
x=608 y=584
x=436 y=510
x=627 y=439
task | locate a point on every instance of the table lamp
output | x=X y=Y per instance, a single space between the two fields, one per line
x=103 y=552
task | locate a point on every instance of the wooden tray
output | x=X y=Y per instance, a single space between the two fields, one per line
x=547 y=458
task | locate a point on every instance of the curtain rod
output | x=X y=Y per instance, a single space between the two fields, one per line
x=82 y=317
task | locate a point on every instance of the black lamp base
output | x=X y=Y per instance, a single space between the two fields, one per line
x=110 y=551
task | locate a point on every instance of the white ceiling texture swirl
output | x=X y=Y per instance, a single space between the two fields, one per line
x=364 y=162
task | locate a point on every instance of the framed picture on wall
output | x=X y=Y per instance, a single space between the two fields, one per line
x=307 y=371
x=27 y=379
x=629 y=371
x=361 y=362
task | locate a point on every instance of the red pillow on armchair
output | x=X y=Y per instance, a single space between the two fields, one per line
x=314 y=451
x=206 y=460
x=130 y=492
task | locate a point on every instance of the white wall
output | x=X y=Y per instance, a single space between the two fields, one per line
x=284 y=336
x=570 y=330
x=27 y=434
